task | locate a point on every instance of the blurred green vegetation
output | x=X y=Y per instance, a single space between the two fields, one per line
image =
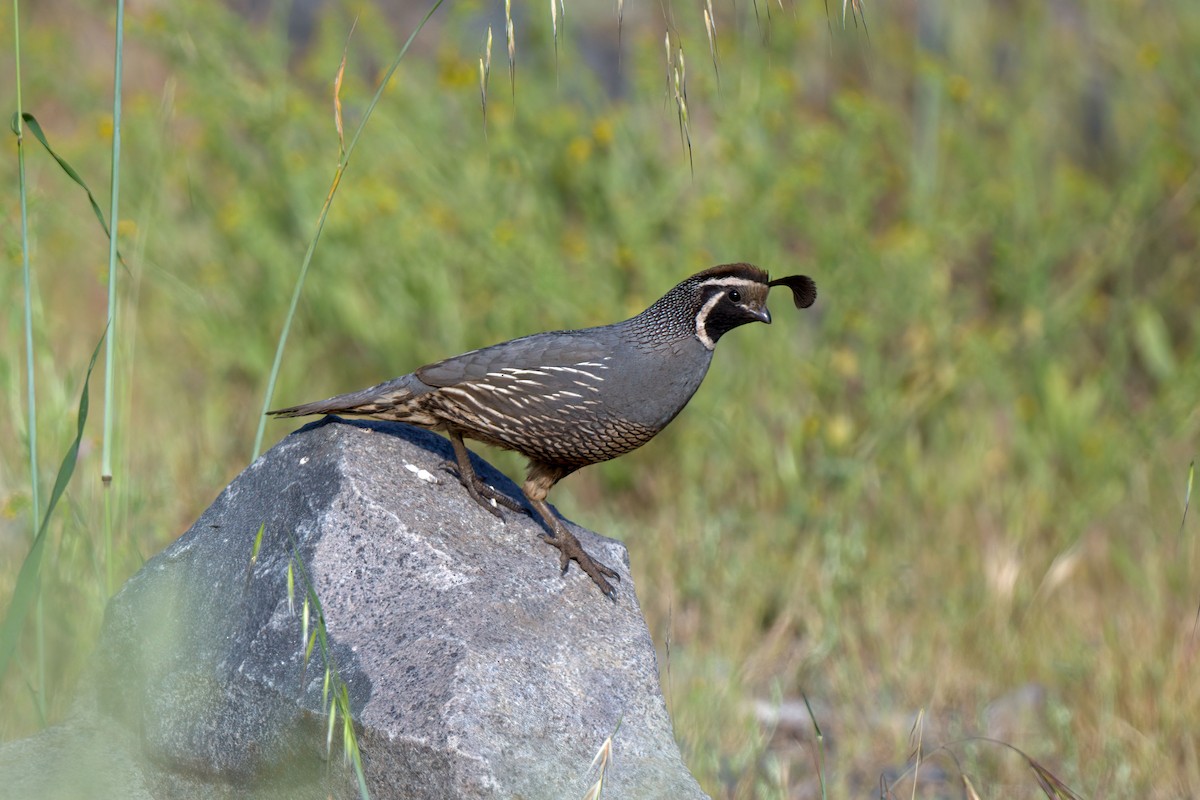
x=960 y=473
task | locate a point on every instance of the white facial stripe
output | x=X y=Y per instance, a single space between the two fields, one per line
x=702 y=317
x=729 y=282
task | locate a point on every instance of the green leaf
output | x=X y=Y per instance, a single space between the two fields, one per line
x=291 y=586
x=28 y=577
x=304 y=637
x=1153 y=342
x=332 y=719
x=33 y=125
x=258 y=537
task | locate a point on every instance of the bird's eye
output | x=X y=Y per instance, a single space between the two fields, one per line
x=735 y=295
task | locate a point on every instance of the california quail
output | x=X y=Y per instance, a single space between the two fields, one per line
x=567 y=399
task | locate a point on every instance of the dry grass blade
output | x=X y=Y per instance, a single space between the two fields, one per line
x=337 y=92
x=1187 y=503
x=968 y=789
x=710 y=27
x=1049 y=783
x=1053 y=786
x=1187 y=495
x=917 y=733
x=679 y=73
x=510 y=34
x=856 y=10
x=1064 y=565
x=670 y=61
x=600 y=764
x=667 y=648
x=620 y=19
x=485 y=72
x=556 y=7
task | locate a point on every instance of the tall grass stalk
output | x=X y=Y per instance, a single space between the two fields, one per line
x=35 y=504
x=343 y=162
x=110 y=342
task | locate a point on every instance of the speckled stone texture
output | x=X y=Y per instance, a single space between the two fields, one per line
x=474 y=668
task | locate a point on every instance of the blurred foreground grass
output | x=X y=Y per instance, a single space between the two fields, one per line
x=955 y=486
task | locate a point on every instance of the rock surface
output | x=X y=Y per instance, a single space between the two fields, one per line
x=472 y=667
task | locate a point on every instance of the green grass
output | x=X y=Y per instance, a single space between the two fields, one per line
x=961 y=472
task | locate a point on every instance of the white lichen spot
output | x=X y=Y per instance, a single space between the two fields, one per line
x=422 y=474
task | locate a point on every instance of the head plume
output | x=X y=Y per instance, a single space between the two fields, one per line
x=804 y=289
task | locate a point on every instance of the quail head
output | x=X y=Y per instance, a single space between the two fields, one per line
x=567 y=399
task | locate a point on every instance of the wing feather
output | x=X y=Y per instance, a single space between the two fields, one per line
x=553 y=349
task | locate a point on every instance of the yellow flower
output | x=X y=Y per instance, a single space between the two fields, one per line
x=840 y=430
x=579 y=150
x=602 y=132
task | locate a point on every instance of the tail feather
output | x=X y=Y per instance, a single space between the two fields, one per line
x=365 y=403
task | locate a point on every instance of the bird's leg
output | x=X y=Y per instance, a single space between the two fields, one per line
x=480 y=492
x=536 y=487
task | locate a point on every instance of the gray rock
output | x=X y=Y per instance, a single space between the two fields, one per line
x=473 y=668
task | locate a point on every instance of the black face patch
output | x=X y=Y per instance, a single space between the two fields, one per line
x=722 y=311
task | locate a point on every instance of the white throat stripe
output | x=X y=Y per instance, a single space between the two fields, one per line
x=702 y=317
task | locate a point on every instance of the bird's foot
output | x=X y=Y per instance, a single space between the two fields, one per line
x=569 y=549
x=483 y=493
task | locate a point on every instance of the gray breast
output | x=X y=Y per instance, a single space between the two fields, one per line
x=656 y=381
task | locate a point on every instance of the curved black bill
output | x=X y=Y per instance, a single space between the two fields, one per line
x=804 y=289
